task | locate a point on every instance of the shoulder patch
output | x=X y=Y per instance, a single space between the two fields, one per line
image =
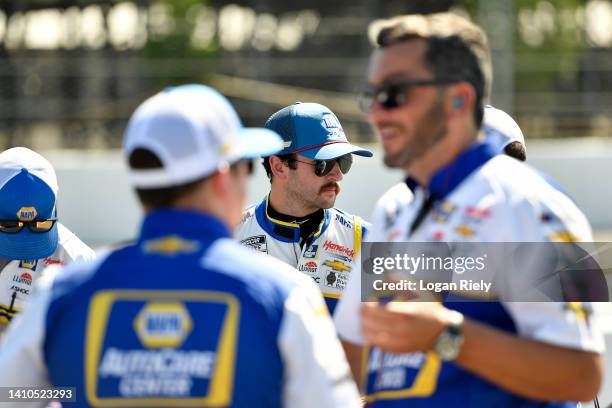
x=257 y=242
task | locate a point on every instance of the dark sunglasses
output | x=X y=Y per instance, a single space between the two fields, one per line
x=324 y=167
x=37 y=226
x=393 y=94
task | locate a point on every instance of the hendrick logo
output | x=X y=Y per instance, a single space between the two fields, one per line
x=51 y=261
x=332 y=246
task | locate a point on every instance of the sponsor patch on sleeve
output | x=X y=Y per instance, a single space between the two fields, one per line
x=257 y=242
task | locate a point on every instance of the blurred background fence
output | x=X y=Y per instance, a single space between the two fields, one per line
x=72 y=71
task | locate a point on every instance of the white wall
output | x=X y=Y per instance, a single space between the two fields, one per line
x=97 y=203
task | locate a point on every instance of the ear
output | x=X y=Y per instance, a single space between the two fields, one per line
x=220 y=182
x=279 y=168
x=461 y=99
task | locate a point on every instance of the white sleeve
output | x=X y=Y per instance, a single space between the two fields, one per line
x=316 y=371
x=562 y=324
x=21 y=346
x=72 y=248
x=347 y=316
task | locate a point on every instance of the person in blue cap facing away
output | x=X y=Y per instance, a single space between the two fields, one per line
x=297 y=222
x=185 y=316
x=31 y=237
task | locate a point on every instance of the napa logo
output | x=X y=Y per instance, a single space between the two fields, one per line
x=163 y=324
x=171 y=245
x=27 y=214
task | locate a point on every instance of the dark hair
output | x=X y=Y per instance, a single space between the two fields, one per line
x=284 y=157
x=456 y=49
x=156 y=198
x=517 y=150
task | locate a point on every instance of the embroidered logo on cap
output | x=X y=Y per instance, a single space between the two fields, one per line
x=27 y=213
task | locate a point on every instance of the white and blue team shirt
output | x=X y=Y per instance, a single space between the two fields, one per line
x=18 y=276
x=480 y=197
x=183 y=317
x=389 y=206
x=329 y=258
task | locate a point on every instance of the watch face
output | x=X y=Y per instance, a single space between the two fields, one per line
x=448 y=346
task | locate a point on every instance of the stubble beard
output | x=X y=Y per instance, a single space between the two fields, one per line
x=427 y=132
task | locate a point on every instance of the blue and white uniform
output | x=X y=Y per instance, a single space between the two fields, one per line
x=330 y=258
x=389 y=206
x=184 y=317
x=18 y=276
x=480 y=197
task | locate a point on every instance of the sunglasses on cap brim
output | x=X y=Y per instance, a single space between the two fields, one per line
x=36 y=226
x=392 y=95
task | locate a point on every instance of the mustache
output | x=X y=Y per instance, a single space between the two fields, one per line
x=331 y=184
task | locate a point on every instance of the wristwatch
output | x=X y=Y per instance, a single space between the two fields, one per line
x=449 y=342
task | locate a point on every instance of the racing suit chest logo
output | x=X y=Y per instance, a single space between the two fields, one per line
x=333 y=247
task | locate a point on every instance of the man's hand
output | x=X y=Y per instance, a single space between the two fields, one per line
x=403 y=327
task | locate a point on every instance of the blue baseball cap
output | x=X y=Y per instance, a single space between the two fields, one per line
x=28 y=191
x=312 y=130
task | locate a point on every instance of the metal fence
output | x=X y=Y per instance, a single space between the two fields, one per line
x=72 y=72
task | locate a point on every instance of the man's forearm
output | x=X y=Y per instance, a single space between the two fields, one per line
x=530 y=368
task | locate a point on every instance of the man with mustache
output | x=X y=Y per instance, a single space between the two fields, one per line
x=297 y=222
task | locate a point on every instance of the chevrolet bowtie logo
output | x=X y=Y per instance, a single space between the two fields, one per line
x=337 y=266
x=171 y=245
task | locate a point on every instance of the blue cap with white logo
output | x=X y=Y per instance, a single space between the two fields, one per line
x=313 y=131
x=28 y=191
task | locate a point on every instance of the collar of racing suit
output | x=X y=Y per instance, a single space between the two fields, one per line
x=285 y=231
x=447 y=178
x=309 y=224
x=185 y=223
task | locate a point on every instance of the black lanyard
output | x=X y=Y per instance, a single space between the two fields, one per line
x=428 y=202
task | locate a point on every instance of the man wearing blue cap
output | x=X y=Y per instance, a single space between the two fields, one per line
x=185 y=316
x=296 y=221
x=31 y=238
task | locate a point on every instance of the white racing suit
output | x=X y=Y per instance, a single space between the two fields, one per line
x=17 y=277
x=483 y=198
x=329 y=258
